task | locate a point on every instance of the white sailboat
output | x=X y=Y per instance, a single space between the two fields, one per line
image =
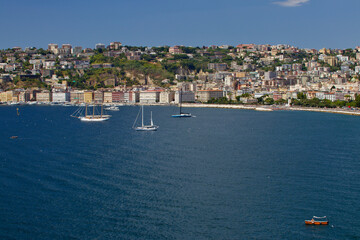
x=94 y=117
x=181 y=114
x=143 y=127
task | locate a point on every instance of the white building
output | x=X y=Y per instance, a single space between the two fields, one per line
x=100 y=45
x=149 y=96
x=330 y=96
x=54 y=48
x=320 y=95
x=60 y=97
x=76 y=50
x=167 y=97
x=49 y=65
x=188 y=96
x=342 y=58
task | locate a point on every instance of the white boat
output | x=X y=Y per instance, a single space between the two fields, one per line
x=143 y=127
x=263 y=109
x=13 y=103
x=112 y=108
x=92 y=117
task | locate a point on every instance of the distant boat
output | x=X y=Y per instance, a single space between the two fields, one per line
x=13 y=103
x=94 y=117
x=112 y=108
x=181 y=114
x=13 y=137
x=317 y=221
x=143 y=127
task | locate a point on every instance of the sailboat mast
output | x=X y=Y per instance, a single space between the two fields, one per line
x=93 y=110
x=151 y=121
x=142 y=115
x=180 y=99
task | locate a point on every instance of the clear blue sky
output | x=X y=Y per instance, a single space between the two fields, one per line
x=302 y=23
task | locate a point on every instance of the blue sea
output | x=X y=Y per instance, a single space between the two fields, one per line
x=224 y=174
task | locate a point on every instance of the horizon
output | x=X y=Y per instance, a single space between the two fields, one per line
x=167 y=45
x=196 y=23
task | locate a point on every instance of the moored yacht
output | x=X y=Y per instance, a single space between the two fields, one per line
x=92 y=117
x=143 y=127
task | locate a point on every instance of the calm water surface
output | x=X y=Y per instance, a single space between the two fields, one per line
x=226 y=174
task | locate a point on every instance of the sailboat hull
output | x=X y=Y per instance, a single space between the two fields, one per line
x=183 y=115
x=90 y=119
x=147 y=128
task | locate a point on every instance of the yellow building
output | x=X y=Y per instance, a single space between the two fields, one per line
x=206 y=95
x=9 y=95
x=107 y=97
x=3 y=97
x=15 y=98
x=88 y=97
x=331 y=60
x=274 y=52
x=43 y=96
x=325 y=51
x=240 y=74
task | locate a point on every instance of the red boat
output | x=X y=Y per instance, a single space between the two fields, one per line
x=317 y=221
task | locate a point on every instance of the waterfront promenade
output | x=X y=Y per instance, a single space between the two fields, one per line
x=253 y=107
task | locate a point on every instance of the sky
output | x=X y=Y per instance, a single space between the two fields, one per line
x=301 y=23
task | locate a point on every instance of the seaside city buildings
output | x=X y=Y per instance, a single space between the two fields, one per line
x=247 y=71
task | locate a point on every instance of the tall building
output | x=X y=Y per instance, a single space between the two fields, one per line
x=65 y=49
x=100 y=46
x=76 y=50
x=331 y=60
x=54 y=48
x=206 y=95
x=115 y=45
x=217 y=66
x=175 y=50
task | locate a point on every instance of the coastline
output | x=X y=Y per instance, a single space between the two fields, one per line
x=226 y=106
x=253 y=107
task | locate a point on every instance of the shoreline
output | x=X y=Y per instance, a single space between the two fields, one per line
x=205 y=105
x=253 y=107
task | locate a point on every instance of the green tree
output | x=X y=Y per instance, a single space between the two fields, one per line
x=301 y=95
x=269 y=101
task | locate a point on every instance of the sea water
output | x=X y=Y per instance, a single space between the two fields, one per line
x=224 y=174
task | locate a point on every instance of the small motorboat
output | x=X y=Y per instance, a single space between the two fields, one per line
x=112 y=108
x=13 y=137
x=317 y=221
